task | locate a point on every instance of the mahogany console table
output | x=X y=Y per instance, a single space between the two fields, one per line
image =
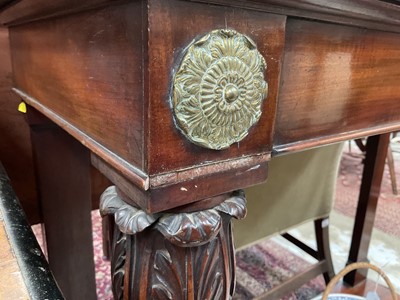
x=181 y=104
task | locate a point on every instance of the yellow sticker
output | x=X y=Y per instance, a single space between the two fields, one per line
x=22 y=107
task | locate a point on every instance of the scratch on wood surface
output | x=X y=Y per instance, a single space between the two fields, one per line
x=252 y=162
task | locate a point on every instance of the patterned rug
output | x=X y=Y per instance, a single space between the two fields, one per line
x=348 y=186
x=267 y=264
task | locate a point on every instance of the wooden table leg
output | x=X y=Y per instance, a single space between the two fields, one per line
x=183 y=255
x=390 y=162
x=374 y=165
x=63 y=177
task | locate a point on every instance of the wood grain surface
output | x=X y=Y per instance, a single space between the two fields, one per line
x=87 y=68
x=338 y=82
x=108 y=74
x=372 y=14
x=18 y=12
x=64 y=185
x=15 y=144
x=102 y=70
x=182 y=22
x=104 y=75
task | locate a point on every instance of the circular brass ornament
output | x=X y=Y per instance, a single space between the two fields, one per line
x=219 y=88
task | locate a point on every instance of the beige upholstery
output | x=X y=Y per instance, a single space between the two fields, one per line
x=300 y=187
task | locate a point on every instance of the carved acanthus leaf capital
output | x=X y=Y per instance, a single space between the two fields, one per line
x=182 y=229
x=234 y=206
x=129 y=219
x=190 y=229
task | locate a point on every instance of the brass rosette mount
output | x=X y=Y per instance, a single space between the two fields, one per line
x=219 y=88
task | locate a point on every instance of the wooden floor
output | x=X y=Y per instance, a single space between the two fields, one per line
x=363 y=288
x=12 y=285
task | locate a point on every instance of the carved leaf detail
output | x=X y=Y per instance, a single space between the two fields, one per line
x=182 y=256
x=168 y=281
x=234 y=206
x=190 y=229
x=118 y=257
x=110 y=201
x=129 y=219
x=209 y=271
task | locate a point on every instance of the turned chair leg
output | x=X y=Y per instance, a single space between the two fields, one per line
x=390 y=162
x=321 y=227
x=322 y=254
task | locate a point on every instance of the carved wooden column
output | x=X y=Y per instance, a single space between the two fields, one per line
x=184 y=255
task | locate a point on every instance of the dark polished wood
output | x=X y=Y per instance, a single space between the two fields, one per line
x=266 y=30
x=63 y=180
x=368 y=14
x=130 y=145
x=183 y=255
x=337 y=80
x=203 y=272
x=15 y=146
x=110 y=95
x=3 y=3
x=106 y=62
x=373 y=14
x=102 y=71
x=374 y=165
x=26 y=11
